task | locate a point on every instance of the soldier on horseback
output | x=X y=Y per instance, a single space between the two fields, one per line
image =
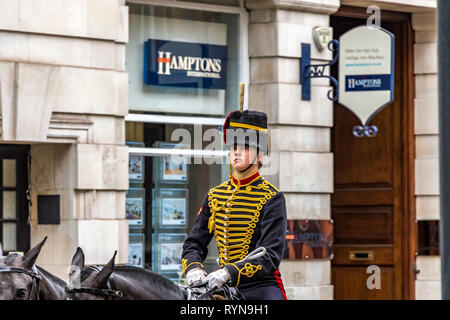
x=243 y=213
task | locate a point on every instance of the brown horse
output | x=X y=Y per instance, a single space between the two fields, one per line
x=21 y=279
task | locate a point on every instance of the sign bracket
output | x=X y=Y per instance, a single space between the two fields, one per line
x=308 y=71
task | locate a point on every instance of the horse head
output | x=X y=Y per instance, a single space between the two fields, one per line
x=89 y=283
x=18 y=276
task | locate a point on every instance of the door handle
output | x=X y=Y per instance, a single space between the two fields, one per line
x=359 y=255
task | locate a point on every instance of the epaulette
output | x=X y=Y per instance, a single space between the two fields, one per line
x=270 y=184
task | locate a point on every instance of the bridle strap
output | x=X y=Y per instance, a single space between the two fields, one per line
x=33 y=274
x=98 y=292
x=114 y=294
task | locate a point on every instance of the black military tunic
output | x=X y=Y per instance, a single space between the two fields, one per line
x=242 y=215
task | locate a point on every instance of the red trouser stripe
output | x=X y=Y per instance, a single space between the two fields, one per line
x=280 y=283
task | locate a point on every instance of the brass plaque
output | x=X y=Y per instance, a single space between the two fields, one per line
x=361 y=255
x=309 y=239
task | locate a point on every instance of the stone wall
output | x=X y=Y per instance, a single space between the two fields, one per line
x=64 y=90
x=301 y=129
x=426 y=129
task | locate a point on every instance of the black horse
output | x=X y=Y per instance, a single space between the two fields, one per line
x=21 y=279
x=133 y=283
x=120 y=282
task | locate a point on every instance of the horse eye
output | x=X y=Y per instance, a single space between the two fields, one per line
x=21 y=293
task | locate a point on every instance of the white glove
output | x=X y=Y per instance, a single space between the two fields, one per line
x=195 y=276
x=217 y=278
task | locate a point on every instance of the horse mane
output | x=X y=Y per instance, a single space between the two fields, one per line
x=154 y=280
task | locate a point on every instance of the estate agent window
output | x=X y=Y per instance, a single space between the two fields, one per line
x=184 y=67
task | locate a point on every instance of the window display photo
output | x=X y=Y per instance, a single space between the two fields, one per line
x=134 y=206
x=170 y=169
x=170 y=210
x=174 y=169
x=173 y=211
x=136 y=164
x=136 y=250
x=167 y=249
x=171 y=256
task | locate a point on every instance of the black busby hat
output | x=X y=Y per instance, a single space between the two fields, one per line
x=247 y=128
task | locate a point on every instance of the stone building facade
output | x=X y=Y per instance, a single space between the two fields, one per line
x=64 y=91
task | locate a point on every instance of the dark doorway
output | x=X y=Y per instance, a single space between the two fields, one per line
x=14 y=228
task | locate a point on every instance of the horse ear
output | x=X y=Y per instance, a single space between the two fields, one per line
x=102 y=277
x=76 y=266
x=32 y=254
x=78 y=258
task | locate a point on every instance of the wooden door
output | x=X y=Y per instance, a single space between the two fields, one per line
x=372 y=185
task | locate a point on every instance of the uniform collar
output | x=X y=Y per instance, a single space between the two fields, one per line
x=245 y=181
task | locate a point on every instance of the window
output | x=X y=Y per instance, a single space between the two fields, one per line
x=186 y=27
x=166 y=192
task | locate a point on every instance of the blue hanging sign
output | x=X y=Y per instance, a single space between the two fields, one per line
x=185 y=64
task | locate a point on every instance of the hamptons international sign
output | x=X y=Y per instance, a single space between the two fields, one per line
x=185 y=64
x=368 y=82
x=366 y=70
